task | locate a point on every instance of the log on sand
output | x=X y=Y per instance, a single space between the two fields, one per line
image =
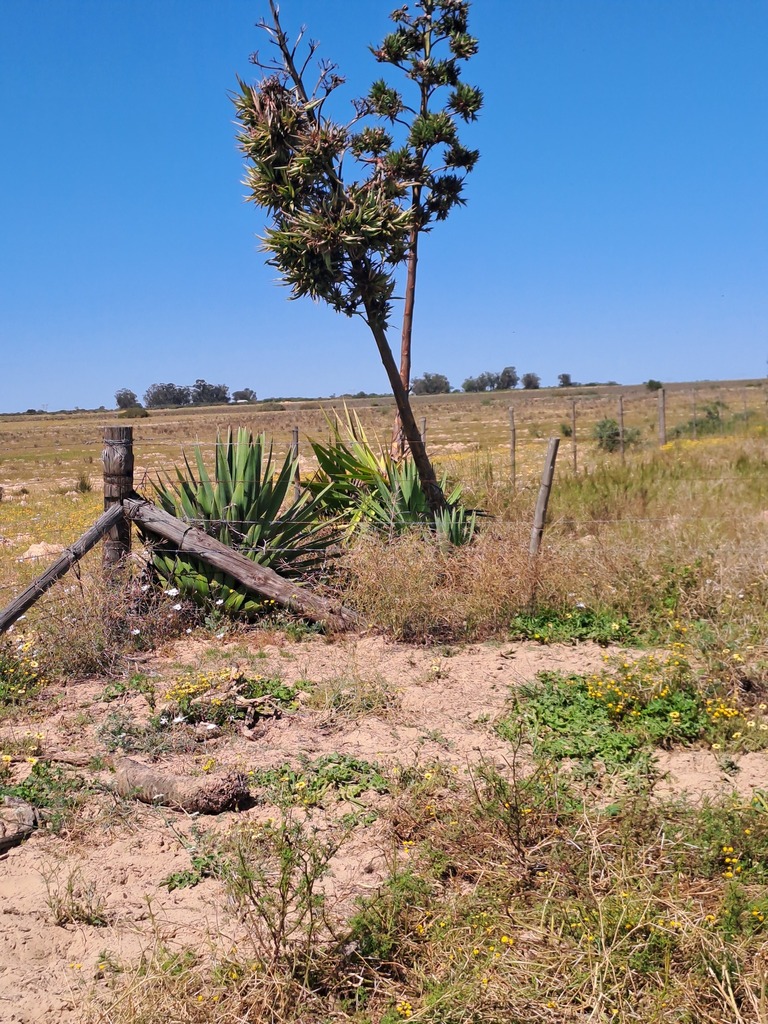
x=195 y=796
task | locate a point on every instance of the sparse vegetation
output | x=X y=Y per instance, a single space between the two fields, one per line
x=400 y=885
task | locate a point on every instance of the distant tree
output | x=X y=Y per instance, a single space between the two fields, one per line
x=126 y=399
x=485 y=381
x=509 y=378
x=244 y=395
x=531 y=381
x=431 y=384
x=203 y=393
x=654 y=385
x=159 y=396
x=564 y=380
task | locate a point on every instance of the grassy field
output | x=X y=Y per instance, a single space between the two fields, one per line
x=540 y=797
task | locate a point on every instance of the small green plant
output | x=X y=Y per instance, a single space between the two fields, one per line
x=206 y=861
x=83 y=483
x=385 y=924
x=203 y=865
x=551 y=625
x=338 y=775
x=74 y=902
x=273 y=875
x=50 y=789
x=19 y=672
x=137 y=683
x=120 y=731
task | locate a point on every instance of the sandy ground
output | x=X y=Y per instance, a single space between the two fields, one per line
x=441 y=707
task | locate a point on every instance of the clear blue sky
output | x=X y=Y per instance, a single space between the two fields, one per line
x=616 y=226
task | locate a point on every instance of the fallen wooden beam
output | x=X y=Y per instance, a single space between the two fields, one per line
x=65 y=561
x=151 y=785
x=264 y=581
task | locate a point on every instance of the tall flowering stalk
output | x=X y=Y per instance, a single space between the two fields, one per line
x=340 y=239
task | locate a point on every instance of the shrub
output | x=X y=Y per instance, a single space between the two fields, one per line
x=607 y=433
x=368 y=488
x=135 y=412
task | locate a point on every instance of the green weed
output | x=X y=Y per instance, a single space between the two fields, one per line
x=49 y=788
x=336 y=775
x=618 y=716
x=137 y=683
x=550 y=625
x=19 y=674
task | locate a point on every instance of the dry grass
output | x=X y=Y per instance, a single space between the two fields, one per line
x=511 y=900
x=519 y=897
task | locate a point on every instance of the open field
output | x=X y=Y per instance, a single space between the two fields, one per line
x=528 y=791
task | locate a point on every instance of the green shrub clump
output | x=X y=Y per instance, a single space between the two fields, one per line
x=607 y=433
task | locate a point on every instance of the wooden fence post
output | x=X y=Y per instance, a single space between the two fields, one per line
x=621 y=427
x=694 y=426
x=423 y=431
x=574 y=454
x=540 y=514
x=662 y=416
x=512 y=448
x=295 y=456
x=117 y=459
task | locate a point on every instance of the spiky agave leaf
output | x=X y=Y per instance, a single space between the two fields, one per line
x=246 y=506
x=365 y=486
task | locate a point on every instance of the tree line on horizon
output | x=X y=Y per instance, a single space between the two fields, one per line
x=505 y=380
x=164 y=396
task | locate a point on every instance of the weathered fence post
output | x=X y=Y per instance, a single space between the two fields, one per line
x=662 y=416
x=621 y=427
x=540 y=514
x=423 y=431
x=512 y=448
x=574 y=454
x=295 y=457
x=117 y=459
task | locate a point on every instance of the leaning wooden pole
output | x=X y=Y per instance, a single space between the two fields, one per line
x=540 y=514
x=108 y=521
x=259 y=578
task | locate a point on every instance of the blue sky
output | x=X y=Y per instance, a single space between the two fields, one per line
x=616 y=225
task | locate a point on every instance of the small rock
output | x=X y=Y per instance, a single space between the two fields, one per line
x=17 y=821
x=206 y=731
x=42 y=550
